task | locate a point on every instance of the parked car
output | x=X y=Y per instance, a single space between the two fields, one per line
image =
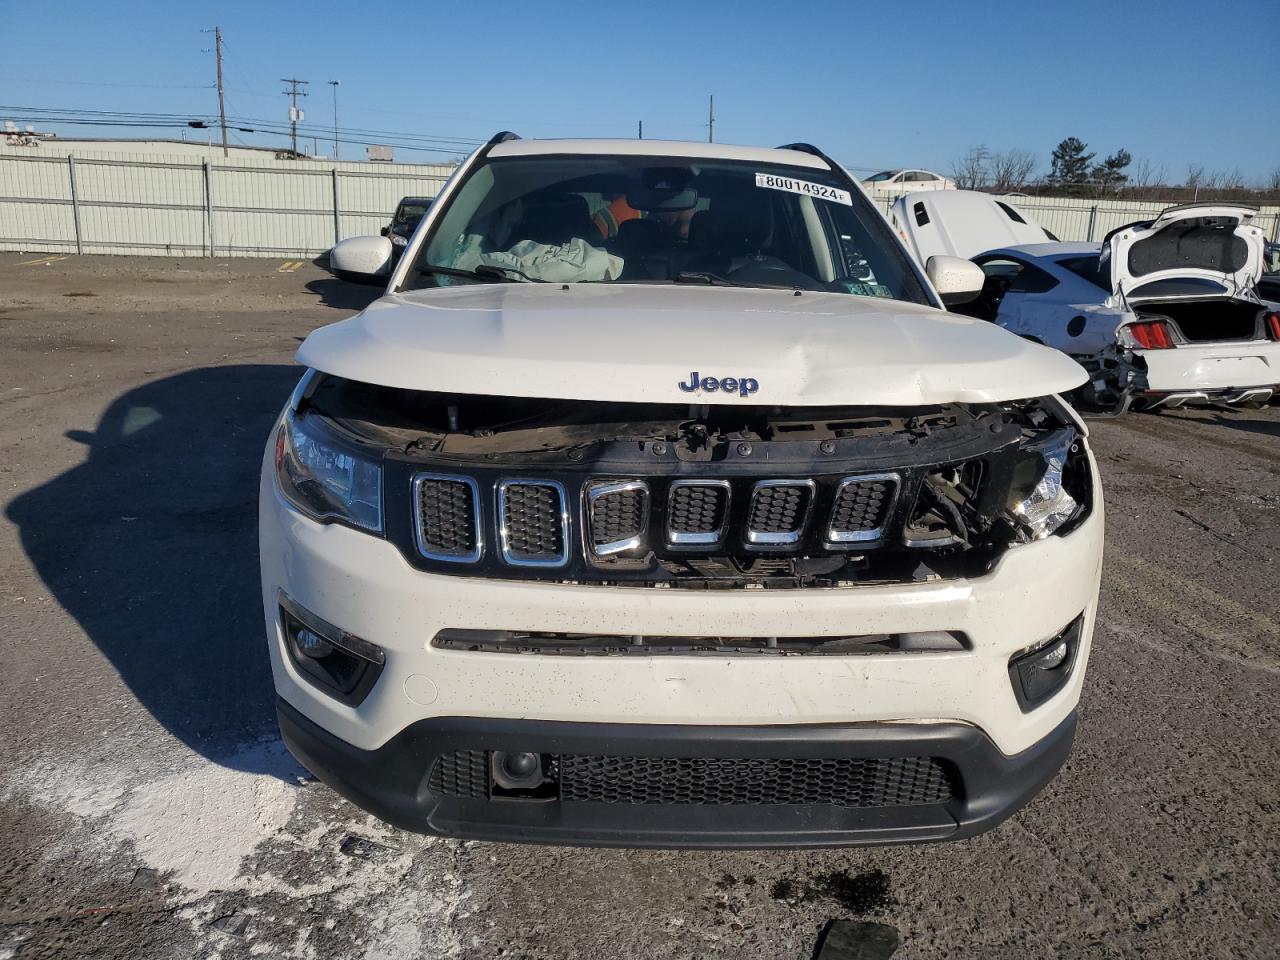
x=1163 y=312
x=894 y=183
x=718 y=531
x=409 y=213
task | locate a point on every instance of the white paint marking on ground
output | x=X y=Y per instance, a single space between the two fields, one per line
x=42 y=260
x=217 y=827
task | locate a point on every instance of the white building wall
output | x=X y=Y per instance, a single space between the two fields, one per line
x=155 y=204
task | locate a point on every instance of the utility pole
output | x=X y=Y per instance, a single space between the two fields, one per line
x=640 y=130
x=711 y=120
x=337 y=151
x=294 y=113
x=222 y=107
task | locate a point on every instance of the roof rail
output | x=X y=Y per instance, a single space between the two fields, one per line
x=810 y=149
x=804 y=148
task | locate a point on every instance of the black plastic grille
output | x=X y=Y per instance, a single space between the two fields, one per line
x=697 y=509
x=462 y=773
x=862 y=506
x=533 y=522
x=842 y=781
x=779 y=509
x=446 y=517
x=618 y=515
x=712 y=781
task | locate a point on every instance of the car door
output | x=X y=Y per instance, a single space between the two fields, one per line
x=1022 y=307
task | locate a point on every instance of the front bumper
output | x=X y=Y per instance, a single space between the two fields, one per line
x=393 y=781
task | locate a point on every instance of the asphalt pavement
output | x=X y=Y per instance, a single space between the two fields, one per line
x=148 y=810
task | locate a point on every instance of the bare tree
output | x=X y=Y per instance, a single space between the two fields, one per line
x=1145 y=176
x=970 y=171
x=1011 y=170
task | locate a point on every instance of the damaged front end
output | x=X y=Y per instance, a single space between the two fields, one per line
x=698 y=496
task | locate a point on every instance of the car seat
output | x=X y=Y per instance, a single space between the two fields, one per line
x=556 y=219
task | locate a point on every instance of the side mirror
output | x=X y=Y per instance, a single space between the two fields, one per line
x=384 y=231
x=957 y=280
x=362 y=260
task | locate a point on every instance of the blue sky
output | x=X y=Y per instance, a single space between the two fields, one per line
x=875 y=85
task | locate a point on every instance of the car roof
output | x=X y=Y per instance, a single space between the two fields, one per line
x=658 y=148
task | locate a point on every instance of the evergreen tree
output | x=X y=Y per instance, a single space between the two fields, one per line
x=1070 y=164
x=1110 y=173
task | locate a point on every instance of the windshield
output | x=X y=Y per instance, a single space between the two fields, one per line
x=580 y=219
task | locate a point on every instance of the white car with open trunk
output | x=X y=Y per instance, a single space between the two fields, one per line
x=1161 y=313
x=698 y=524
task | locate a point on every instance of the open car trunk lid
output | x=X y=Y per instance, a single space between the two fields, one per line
x=1184 y=247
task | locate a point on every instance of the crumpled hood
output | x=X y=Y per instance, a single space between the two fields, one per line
x=639 y=343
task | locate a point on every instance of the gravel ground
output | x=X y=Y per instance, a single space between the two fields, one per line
x=147 y=808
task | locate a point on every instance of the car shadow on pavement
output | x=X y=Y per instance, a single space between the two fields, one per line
x=342 y=295
x=1266 y=428
x=151 y=544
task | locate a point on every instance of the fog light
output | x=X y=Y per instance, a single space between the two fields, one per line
x=311 y=644
x=1043 y=670
x=339 y=663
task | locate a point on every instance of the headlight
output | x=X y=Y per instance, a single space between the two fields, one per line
x=325 y=477
x=1038 y=499
x=399 y=241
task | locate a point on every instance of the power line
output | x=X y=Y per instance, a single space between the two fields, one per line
x=426 y=143
x=98 y=83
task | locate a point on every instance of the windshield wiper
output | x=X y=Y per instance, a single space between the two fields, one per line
x=700 y=276
x=484 y=271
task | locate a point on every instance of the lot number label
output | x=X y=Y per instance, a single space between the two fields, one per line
x=773 y=182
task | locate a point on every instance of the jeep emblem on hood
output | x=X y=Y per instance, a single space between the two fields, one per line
x=742 y=386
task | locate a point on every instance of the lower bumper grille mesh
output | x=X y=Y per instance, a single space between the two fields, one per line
x=838 y=781
x=462 y=773
x=844 y=781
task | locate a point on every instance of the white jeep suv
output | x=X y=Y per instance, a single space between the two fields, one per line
x=660 y=502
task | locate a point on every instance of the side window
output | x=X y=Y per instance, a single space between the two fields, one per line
x=1001 y=267
x=924 y=177
x=1020 y=277
x=1033 y=280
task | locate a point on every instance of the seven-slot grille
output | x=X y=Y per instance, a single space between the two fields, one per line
x=617 y=515
x=697 y=512
x=862 y=508
x=858 y=782
x=447 y=517
x=779 y=511
x=533 y=522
